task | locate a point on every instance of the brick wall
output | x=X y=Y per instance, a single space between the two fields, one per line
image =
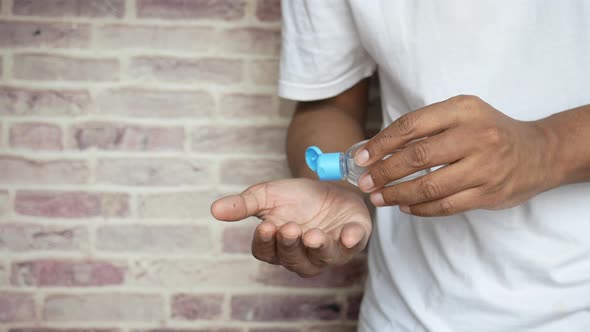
x=120 y=122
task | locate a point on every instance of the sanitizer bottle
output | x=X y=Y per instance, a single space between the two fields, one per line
x=340 y=166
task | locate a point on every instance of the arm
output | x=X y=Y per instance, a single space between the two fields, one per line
x=334 y=124
x=569 y=144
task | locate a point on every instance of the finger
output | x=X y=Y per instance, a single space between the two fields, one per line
x=460 y=202
x=441 y=183
x=264 y=243
x=291 y=253
x=335 y=250
x=352 y=235
x=444 y=148
x=414 y=125
x=237 y=207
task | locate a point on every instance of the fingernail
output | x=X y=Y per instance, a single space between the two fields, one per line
x=377 y=199
x=289 y=241
x=366 y=183
x=405 y=209
x=361 y=157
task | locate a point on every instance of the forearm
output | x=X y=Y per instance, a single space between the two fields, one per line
x=333 y=125
x=569 y=144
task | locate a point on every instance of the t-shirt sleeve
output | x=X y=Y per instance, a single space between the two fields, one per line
x=322 y=54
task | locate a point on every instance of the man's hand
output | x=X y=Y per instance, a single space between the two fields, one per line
x=306 y=225
x=492 y=161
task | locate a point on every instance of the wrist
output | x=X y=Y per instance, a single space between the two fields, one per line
x=554 y=155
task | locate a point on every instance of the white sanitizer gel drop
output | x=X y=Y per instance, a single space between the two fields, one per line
x=339 y=166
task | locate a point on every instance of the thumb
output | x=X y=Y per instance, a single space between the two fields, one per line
x=237 y=207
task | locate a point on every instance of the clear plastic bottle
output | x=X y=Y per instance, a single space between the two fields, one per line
x=339 y=166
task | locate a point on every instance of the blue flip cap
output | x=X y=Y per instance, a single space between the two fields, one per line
x=325 y=165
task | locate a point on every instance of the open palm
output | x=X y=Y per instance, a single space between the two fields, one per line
x=306 y=225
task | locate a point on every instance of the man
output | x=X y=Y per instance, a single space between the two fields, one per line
x=496 y=240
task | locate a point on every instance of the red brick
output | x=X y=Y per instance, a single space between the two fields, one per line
x=186 y=70
x=237 y=238
x=268 y=10
x=17 y=170
x=4 y=202
x=119 y=136
x=163 y=240
x=197 y=307
x=28 y=237
x=16 y=307
x=45 y=67
x=191 y=9
x=264 y=72
x=76 y=8
x=341 y=327
x=42 y=34
x=354 y=304
x=175 y=205
x=44 y=102
x=153 y=172
x=252 y=171
x=186 y=273
x=269 y=307
x=35 y=136
x=157 y=38
x=239 y=105
x=71 y=204
x=251 y=41
x=244 y=139
x=286 y=107
x=274 y=329
x=162 y=104
x=207 y=329
x=46 y=329
x=103 y=307
x=347 y=275
x=48 y=273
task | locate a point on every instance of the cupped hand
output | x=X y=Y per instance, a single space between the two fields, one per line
x=306 y=225
x=492 y=160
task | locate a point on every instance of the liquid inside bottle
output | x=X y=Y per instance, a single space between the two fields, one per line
x=340 y=166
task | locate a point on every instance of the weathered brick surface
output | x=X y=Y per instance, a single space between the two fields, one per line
x=154 y=239
x=36 y=136
x=268 y=10
x=285 y=307
x=186 y=70
x=18 y=170
x=175 y=205
x=165 y=105
x=119 y=136
x=19 y=101
x=71 y=204
x=152 y=172
x=19 y=237
x=16 y=307
x=103 y=307
x=45 y=67
x=249 y=139
x=120 y=122
x=48 y=273
x=42 y=34
x=248 y=171
x=197 y=307
x=191 y=9
x=157 y=38
x=4 y=203
x=240 y=105
x=76 y=8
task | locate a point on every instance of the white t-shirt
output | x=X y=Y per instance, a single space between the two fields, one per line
x=521 y=269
